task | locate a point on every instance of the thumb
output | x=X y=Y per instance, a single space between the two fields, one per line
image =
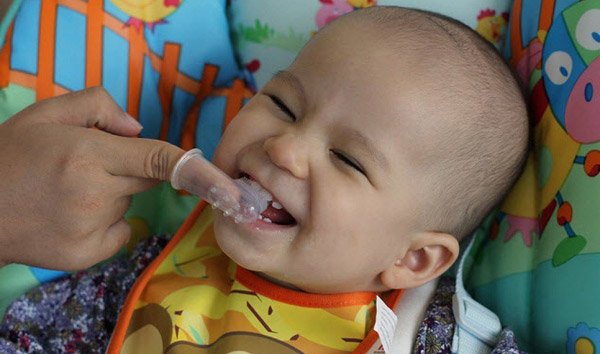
x=93 y=107
x=145 y=158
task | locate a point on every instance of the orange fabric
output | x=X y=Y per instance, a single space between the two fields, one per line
x=166 y=84
x=29 y=81
x=45 y=77
x=516 y=45
x=546 y=11
x=293 y=297
x=188 y=137
x=137 y=44
x=93 y=50
x=97 y=19
x=76 y=5
x=5 y=57
x=124 y=317
x=183 y=81
x=235 y=101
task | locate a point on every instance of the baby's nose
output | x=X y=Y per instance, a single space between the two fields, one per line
x=289 y=153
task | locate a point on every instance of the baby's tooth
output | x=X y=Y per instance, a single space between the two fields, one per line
x=267 y=220
x=277 y=205
x=260 y=217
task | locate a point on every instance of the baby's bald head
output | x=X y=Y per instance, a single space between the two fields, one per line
x=473 y=151
x=388 y=123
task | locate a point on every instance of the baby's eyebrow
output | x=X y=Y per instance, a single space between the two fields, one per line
x=293 y=81
x=368 y=145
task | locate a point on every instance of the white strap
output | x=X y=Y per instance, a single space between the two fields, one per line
x=477 y=327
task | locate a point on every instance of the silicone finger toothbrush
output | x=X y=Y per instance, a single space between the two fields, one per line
x=200 y=177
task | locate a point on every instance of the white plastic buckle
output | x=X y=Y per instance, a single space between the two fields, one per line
x=476 y=319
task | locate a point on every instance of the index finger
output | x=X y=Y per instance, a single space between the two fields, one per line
x=93 y=107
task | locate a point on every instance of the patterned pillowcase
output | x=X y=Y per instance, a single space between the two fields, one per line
x=268 y=34
x=538 y=267
x=168 y=63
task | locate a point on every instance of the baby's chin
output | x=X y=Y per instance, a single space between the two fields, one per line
x=252 y=248
x=269 y=260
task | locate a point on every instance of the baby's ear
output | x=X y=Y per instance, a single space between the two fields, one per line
x=430 y=254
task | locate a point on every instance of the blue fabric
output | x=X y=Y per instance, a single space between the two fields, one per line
x=537 y=267
x=199 y=32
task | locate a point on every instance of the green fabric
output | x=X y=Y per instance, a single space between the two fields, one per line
x=13 y=99
x=16 y=279
x=160 y=210
x=537 y=267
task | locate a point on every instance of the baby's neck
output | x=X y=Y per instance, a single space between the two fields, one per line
x=278 y=282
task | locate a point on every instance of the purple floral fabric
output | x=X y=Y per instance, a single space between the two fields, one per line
x=435 y=333
x=77 y=314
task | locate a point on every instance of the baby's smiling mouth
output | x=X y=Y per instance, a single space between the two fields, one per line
x=275 y=212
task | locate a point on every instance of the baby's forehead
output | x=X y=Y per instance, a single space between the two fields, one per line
x=402 y=29
x=414 y=48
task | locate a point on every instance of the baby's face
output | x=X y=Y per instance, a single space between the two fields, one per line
x=334 y=139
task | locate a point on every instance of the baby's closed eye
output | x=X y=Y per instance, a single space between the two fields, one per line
x=348 y=161
x=282 y=106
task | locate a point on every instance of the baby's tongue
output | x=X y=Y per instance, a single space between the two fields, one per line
x=278 y=216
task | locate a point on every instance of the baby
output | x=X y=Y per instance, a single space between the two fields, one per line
x=387 y=141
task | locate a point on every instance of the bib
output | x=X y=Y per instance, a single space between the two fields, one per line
x=194 y=299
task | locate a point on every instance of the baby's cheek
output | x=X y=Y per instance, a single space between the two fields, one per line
x=220 y=158
x=230 y=144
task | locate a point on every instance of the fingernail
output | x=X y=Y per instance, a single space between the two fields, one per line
x=133 y=121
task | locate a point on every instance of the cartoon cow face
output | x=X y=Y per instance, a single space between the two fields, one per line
x=571 y=70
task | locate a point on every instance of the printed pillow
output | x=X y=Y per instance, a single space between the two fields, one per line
x=168 y=63
x=538 y=267
x=268 y=34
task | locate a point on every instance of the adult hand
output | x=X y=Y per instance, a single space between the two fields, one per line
x=65 y=188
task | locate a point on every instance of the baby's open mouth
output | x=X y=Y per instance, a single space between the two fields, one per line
x=275 y=212
x=277 y=216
